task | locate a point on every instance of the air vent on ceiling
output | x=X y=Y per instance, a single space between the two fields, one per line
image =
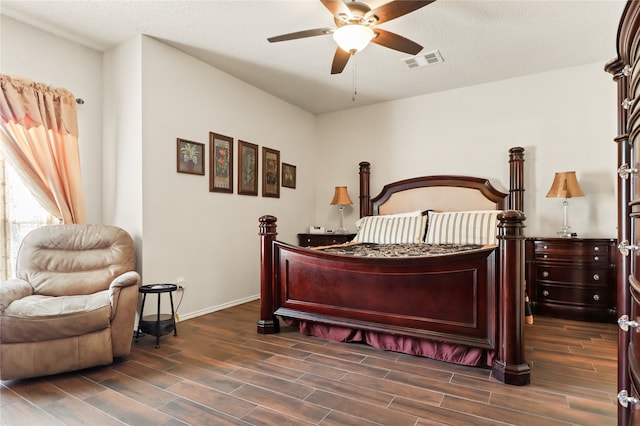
x=428 y=58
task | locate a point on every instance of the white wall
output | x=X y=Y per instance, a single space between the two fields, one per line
x=122 y=159
x=564 y=119
x=211 y=239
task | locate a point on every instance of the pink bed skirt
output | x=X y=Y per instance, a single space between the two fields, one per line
x=441 y=351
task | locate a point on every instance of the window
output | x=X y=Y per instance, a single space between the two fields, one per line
x=19 y=214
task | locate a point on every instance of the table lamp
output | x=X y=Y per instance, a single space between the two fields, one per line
x=565 y=185
x=341 y=198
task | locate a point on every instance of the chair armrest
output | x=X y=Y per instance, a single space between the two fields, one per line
x=127 y=279
x=13 y=290
x=123 y=295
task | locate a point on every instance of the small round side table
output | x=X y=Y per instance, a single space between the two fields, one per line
x=158 y=324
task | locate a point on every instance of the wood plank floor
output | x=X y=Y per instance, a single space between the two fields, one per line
x=219 y=371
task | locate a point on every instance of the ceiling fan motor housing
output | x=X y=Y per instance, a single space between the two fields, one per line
x=360 y=14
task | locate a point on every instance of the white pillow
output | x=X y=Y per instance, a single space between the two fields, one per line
x=391 y=229
x=467 y=227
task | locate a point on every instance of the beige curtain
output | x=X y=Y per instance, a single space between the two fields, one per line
x=40 y=139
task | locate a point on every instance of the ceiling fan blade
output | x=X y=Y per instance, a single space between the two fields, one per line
x=397 y=8
x=340 y=60
x=336 y=7
x=396 y=42
x=301 y=34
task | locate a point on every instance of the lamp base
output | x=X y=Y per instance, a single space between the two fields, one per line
x=566 y=233
x=341 y=229
x=565 y=229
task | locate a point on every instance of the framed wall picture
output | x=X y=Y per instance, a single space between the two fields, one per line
x=220 y=163
x=247 y=168
x=288 y=176
x=270 y=172
x=190 y=157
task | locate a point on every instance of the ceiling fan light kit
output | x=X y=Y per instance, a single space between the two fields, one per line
x=357 y=26
x=353 y=38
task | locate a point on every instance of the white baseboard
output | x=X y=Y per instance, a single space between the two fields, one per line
x=184 y=317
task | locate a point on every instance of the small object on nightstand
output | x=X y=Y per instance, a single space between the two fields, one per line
x=326 y=239
x=316 y=229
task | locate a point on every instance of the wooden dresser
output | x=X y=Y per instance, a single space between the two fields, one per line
x=572 y=278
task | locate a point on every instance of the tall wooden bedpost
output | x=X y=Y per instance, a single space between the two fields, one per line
x=365 y=195
x=516 y=178
x=268 y=322
x=509 y=365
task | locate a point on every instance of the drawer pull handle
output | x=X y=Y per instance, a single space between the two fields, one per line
x=624 y=323
x=596 y=277
x=545 y=293
x=624 y=399
x=545 y=247
x=596 y=258
x=625 y=248
x=545 y=274
x=545 y=256
x=596 y=248
x=624 y=171
x=596 y=297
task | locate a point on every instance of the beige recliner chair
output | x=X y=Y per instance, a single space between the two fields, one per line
x=73 y=303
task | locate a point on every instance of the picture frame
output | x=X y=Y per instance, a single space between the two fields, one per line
x=270 y=172
x=220 y=163
x=247 y=168
x=189 y=157
x=288 y=176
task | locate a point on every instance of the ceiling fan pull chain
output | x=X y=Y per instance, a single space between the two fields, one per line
x=355 y=90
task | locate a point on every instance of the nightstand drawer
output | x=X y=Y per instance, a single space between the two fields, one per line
x=595 y=276
x=572 y=295
x=564 y=252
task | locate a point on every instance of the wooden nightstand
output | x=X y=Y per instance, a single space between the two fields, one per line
x=573 y=278
x=315 y=240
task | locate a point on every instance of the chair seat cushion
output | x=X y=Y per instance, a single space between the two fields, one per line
x=37 y=318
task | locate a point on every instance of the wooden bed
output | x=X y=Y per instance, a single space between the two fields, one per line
x=472 y=300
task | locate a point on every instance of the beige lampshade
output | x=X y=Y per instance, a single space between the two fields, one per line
x=341 y=196
x=565 y=185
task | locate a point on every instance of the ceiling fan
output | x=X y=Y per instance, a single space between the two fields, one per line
x=356 y=27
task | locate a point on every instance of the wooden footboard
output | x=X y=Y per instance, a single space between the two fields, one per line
x=444 y=298
x=474 y=299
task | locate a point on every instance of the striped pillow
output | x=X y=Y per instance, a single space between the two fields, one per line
x=468 y=227
x=391 y=230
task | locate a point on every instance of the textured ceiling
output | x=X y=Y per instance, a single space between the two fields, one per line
x=480 y=41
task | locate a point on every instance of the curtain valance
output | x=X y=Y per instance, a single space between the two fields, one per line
x=33 y=104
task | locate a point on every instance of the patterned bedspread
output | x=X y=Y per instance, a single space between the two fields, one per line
x=397 y=250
